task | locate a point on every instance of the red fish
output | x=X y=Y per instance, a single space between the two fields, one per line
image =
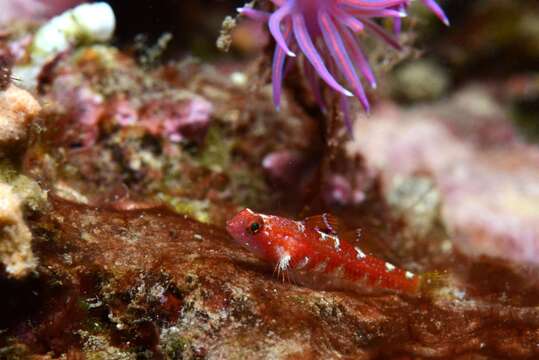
x=312 y=252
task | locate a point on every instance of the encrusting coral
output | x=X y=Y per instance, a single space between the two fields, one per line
x=15 y=237
x=17 y=108
x=481 y=174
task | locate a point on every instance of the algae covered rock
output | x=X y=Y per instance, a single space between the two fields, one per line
x=17 y=109
x=483 y=176
x=420 y=80
x=154 y=284
x=15 y=237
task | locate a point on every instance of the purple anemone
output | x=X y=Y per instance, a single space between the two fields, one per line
x=325 y=33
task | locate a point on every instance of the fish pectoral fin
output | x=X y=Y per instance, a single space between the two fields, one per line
x=325 y=222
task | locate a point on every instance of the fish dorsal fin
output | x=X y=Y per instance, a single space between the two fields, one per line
x=369 y=245
x=354 y=236
x=325 y=222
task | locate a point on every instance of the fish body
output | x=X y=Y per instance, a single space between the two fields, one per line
x=313 y=252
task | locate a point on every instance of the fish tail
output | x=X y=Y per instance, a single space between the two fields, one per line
x=433 y=281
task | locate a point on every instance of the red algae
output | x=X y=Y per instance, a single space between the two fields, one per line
x=152 y=281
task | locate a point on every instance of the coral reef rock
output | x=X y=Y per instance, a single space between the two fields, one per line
x=17 y=108
x=487 y=178
x=15 y=237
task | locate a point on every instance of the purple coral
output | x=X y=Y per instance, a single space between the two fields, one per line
x=325 y=33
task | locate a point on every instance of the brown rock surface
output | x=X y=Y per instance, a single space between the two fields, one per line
x=153 y=284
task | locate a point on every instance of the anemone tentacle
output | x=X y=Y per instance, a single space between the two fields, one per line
x=279 y=58
x=339 y=54
x=374 y=4
x=254 y=14
x=358 y=11
x=397 y=22
x=360 y=59
x=307 y=47
x=324 y=33
x=350 y=21
x=437 y=10
x=275 y=25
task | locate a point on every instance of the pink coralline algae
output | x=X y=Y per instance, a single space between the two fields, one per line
x=284 y=166
x=325 y=33
x=187 y=119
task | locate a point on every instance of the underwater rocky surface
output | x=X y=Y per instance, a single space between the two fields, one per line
x=118 y=171
x=149 y=283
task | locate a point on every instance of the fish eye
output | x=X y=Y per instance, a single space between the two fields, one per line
x=255 y=227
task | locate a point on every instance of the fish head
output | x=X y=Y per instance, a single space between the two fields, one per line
x=247 y=228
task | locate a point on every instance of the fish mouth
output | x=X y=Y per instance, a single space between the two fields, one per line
x=235 y=227
x=230 y=228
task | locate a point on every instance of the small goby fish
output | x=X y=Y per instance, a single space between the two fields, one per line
x=311 y=252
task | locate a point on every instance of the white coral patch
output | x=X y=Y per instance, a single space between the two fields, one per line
x=91 y=22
